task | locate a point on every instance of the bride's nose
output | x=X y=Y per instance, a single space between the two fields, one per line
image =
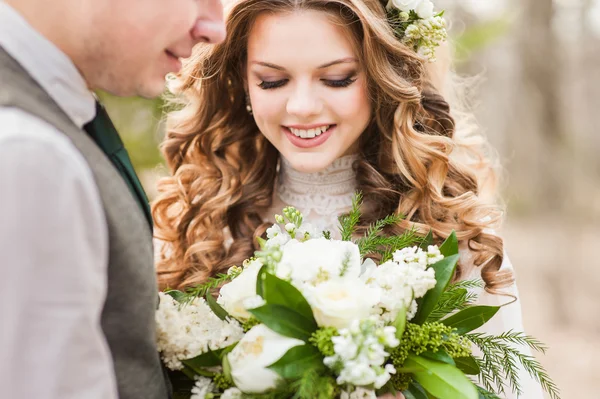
x=304 y=102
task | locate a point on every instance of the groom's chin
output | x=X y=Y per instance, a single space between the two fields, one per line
x=146 y=88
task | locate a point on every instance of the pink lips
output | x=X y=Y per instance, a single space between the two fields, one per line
x=308 y=143
x=174 y=62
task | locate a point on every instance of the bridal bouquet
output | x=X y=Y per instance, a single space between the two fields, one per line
x=312 y=317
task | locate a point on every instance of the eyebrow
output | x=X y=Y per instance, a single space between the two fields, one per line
x=327 y=65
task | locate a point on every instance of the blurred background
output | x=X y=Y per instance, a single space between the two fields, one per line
x=538 y=102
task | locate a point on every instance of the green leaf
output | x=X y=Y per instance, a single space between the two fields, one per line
x=260 y=278
x=467 y=365
x=400 y=322
x=227 y=368
x=444 y=270
x=470 y=318
x=442 y=380
x=415 y=391
x=297 y=361
x=441 y=356
x=450 y=246
x=208 y=359
x=427 y=241
x=279 y=292
x=285 y=321
x=216 y=308
x=176 y=295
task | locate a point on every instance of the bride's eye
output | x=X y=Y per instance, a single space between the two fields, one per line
x=340 y=83
x=266 y=85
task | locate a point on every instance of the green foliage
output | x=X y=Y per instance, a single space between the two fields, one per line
x=501 y=358
x=201 y=290
x=470 y=318
x=276 y=291
x=478 y=37
x=313 y=385
x=211 y=358
x=429 y=337
x=138 y=121
x=297 y=360
x=454 y=298
x=372 y=241
x=322 y=340
x=346 y=263
x=215 y=307
x=441 y=379
x=222 y=382
x=248 y=324
x=285 y=321
x=349 y=221
x=485 y=394
x=444 y=270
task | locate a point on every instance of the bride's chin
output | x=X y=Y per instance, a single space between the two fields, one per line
x=308 y=162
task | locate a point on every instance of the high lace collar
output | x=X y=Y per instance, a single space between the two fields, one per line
x=325 y=192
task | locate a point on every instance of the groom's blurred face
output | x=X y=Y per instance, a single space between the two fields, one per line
x=132 y=44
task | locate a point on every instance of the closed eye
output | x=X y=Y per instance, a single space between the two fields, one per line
x=266 y=85
x=339 y=83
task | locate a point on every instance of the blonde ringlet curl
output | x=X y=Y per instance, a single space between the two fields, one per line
x=416 y=157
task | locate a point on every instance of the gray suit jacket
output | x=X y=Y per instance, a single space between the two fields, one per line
x=128 y=315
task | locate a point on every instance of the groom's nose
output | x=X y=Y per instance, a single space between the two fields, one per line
x=209 y=27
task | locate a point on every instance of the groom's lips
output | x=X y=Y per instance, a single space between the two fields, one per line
x=173 y=61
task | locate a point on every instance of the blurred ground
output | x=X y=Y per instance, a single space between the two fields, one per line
x=559 y=280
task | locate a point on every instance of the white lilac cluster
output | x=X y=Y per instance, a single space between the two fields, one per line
x=424 y=33
x=360 y=354
x=294 y=229
x=359 y=393
x=184 y=332
x=202 y=388
x=232 y=393
x=402 y=280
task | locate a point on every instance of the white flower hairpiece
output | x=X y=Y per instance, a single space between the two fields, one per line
x=417 y=25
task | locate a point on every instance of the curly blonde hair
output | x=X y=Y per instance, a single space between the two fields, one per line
x=411 y=161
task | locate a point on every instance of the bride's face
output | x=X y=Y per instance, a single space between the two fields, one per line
x=307 y=88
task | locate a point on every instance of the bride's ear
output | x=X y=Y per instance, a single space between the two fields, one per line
x=437 y=71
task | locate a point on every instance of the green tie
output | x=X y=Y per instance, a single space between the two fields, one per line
x=104 y=133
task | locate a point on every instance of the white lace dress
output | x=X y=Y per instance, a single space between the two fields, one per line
x=323 y=196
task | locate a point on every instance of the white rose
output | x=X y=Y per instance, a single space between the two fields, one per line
x=319 y=260
x=337 y=303
x=233 y=295
x=406 y=5
x=425 y=9
x=260 y=348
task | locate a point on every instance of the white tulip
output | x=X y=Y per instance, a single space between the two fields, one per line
x=260 y=348
x=233 y=295
x=336 y=303
x=406 y=5
x=425 y=9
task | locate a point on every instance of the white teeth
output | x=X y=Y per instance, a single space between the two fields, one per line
x=310 y=133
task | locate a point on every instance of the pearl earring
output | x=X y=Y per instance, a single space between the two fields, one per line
x=248 y=105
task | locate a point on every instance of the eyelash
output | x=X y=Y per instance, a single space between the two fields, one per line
x=331 y=83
